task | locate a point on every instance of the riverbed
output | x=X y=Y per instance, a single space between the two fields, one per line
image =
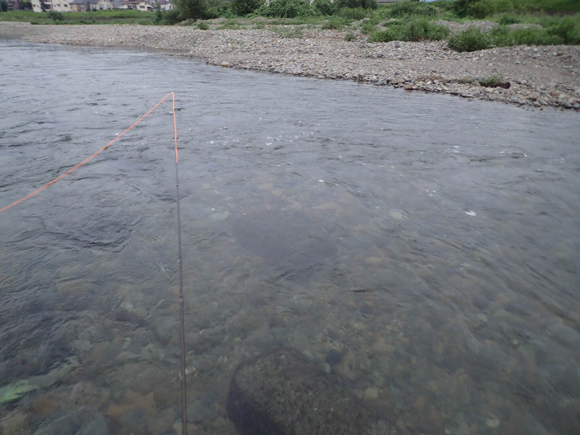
x=420 y=249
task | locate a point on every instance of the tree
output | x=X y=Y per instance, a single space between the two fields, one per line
x=198 y=9
x=244 y=7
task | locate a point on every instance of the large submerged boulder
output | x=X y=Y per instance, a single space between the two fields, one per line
x=284 y=393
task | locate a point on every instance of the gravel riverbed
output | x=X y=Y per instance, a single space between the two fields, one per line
x=537 y=76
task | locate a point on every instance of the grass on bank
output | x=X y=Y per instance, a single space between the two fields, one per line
x=412 y=30
x=95 y=17
x=567 y=31
x=554 y=21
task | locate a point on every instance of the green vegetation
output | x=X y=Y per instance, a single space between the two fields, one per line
x=350 y=37
x=200 y=9
x=470 y=40
x=353 y=13
x=244 y=7
x=367 y=27
x=492 y=81
x=203 y=26
x=336 y=23
x=418 y=29
x=324 y=7
x=532 y=22
x=566 y=31
x=171 y=17
x=96 y=17
x=288 y=9
x=486 y=8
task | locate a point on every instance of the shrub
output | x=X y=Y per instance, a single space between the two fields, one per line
x=244 y=7
x=335 y=23
x=203 y=26
x=461 y=7
x=353 y=13
x=537 y=6
x=568 y=30
x=505 y=37
x=158 y=16
x=403 y=9
x=473 y=8
x=414 y=30
x=491 y=81
x=353 y=4
x=481 y=9
x=367 y=27
x=287 y=9
x=55 y=16
x=508 y=19
x=324 y=7
x=418 y=30
x=172 y=17
x=470 y=40
x=349 y=37
x=393 y=33
x=198 y=9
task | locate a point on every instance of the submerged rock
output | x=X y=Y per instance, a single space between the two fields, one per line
x=292 y=242
x=284 y=394
x=13 y=392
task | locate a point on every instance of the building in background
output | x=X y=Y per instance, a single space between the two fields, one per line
x=164 y=5
x=51 y=5
x=138 y=5
x=90 y=5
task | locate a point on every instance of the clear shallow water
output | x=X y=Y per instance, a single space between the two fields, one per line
x=421 y=249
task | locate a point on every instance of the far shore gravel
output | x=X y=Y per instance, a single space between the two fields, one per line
x=537 y=76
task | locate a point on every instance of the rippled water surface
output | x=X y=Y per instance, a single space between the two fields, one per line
x=422 y=250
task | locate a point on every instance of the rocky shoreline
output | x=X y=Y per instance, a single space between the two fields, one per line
x=537 y=76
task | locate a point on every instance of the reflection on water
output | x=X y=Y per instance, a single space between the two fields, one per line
x=420 y=250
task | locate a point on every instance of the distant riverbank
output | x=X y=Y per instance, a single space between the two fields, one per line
x=527 y=76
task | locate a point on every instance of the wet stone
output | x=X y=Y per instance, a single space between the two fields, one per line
x=166 y=328
x=334 y=357
x=98 y=426
x=14 y=424
x=284 y=393
x=279 y=238
x=68 y=424
x=135 y=421
x=198 y=411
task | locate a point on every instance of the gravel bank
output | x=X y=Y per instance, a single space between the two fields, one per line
x=537 y=76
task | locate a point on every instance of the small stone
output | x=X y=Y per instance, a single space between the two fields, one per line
x=492 y=423
x=373 y=261
x=225 y=64
x=396 y=214
x=381 y=347
x=372 y=393
x=14 y=424
x=482 y=317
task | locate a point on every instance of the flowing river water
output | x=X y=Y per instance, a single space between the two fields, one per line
x=423 y=250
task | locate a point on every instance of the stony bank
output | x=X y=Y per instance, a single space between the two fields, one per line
x=528 y=76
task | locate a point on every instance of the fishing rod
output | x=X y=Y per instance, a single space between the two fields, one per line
x=183 y=369
x=181 y=299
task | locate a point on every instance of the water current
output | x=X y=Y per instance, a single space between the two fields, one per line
x=422 y=250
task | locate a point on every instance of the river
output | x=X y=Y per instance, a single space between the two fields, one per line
x=423 y=250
